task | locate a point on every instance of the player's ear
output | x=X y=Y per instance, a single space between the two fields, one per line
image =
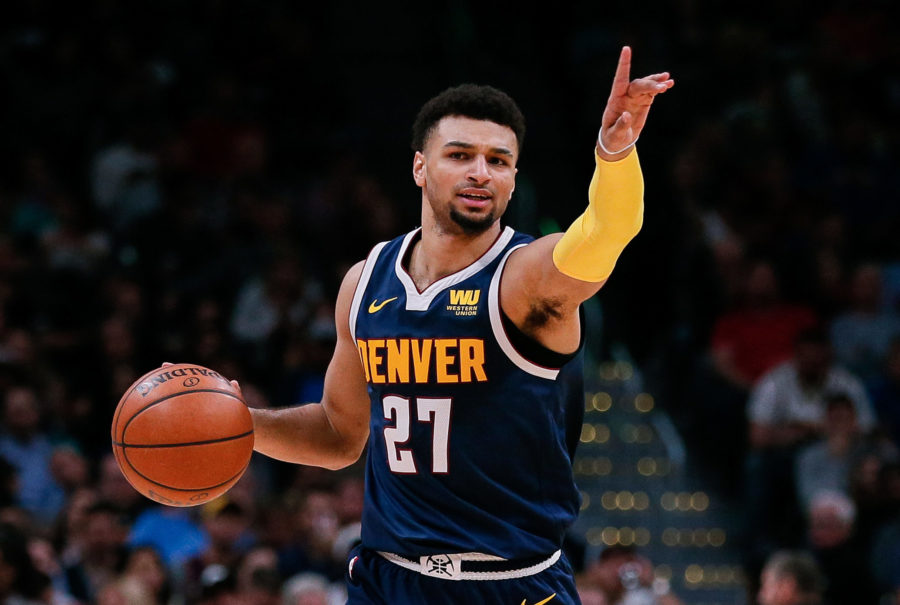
x=419 y=168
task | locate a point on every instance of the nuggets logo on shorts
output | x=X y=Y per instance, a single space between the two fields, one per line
x=441 y=566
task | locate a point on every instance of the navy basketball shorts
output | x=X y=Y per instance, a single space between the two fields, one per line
x=373 y=579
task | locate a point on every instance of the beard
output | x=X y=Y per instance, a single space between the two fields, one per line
x=472 y=225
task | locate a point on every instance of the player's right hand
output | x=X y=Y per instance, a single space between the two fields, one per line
x=628 y=105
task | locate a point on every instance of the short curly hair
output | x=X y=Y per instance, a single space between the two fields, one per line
x=471 y=101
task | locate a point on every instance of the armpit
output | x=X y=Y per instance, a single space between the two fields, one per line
x=542 y=313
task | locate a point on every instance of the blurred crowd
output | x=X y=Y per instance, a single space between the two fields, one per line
x=189 y=182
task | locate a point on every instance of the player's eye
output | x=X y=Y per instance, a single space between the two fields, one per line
x=497 y=161
x=457 y=155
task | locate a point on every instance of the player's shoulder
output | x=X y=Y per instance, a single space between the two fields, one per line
x=355 y=272
x=519 y=237
x=351 y=277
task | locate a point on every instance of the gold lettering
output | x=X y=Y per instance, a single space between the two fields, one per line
x=398 y=360
x=443 y=359
x=363 y=356
x=375 y=359
x=421 y=353
x=471 y=359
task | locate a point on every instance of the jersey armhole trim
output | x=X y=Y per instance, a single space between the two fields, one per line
x=361 y=286
x=500 y=334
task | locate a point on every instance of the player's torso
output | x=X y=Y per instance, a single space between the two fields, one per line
x=470 y=442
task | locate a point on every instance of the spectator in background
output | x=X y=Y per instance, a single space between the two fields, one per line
x=826 y=464
x=876 y=492
x=310 y=588
x=885 y=557
x=758 y=335
x=886 y=393
x=786 y=410
x=625 y=578
x=226 y=525
x=264 y=589
x=257 y=567
x=786 y=405
x=273 y=304
x=96 y=558
x=791 y=578
x=113 y=487
x=315 y=526
x=33 y=213
x=46 y=560
x=69 y=468
x=143 y=580
x=831 y=536
x=591 y=596
x=124 y=177
x=74 y=244
x=24 y=445
x=348 y=505
x=20 y=581
x=862 y=334
x=173 y=532
x=71 y=524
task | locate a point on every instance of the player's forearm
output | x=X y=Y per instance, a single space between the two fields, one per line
x=303 y=435
x=591 y=246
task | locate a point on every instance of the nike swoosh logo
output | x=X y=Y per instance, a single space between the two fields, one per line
x=375 y=307
x=540 y=602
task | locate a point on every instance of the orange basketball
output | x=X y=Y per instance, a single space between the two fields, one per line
x=182 y=435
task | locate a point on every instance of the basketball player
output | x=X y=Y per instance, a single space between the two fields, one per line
x=458 y=362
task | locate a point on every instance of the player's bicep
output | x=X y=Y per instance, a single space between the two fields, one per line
x=531 y=275
x=345 y=398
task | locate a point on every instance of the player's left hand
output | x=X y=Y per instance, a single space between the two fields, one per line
x=628 y=106
x=234 y=383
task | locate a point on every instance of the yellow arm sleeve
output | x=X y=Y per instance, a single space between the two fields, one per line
x=590 y=247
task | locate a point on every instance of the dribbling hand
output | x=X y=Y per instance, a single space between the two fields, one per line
x=234 y=383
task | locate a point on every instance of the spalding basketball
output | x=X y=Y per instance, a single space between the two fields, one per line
x=182 y=435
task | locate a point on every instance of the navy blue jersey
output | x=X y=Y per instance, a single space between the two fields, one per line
x=471 y=443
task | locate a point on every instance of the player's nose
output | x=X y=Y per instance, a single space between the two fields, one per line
x=478 y=170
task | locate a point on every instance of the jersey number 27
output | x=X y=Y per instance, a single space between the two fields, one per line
x=433 y=410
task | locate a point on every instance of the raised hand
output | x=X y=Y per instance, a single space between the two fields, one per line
x=627 y=108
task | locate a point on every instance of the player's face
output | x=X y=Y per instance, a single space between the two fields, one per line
x=468 y=173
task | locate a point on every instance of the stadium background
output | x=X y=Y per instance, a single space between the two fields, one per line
x=189 y=181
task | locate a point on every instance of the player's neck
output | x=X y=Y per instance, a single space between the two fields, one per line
x=439 y=253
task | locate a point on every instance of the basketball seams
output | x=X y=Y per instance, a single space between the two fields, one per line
x=178 y=489
x=172 y=396
x=123 y=445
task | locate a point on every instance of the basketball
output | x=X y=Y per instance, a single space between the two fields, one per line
x=182 y=435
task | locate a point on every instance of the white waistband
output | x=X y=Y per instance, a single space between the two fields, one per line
x=447 y=567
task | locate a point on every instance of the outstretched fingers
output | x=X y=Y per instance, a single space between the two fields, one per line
x=649 y=86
